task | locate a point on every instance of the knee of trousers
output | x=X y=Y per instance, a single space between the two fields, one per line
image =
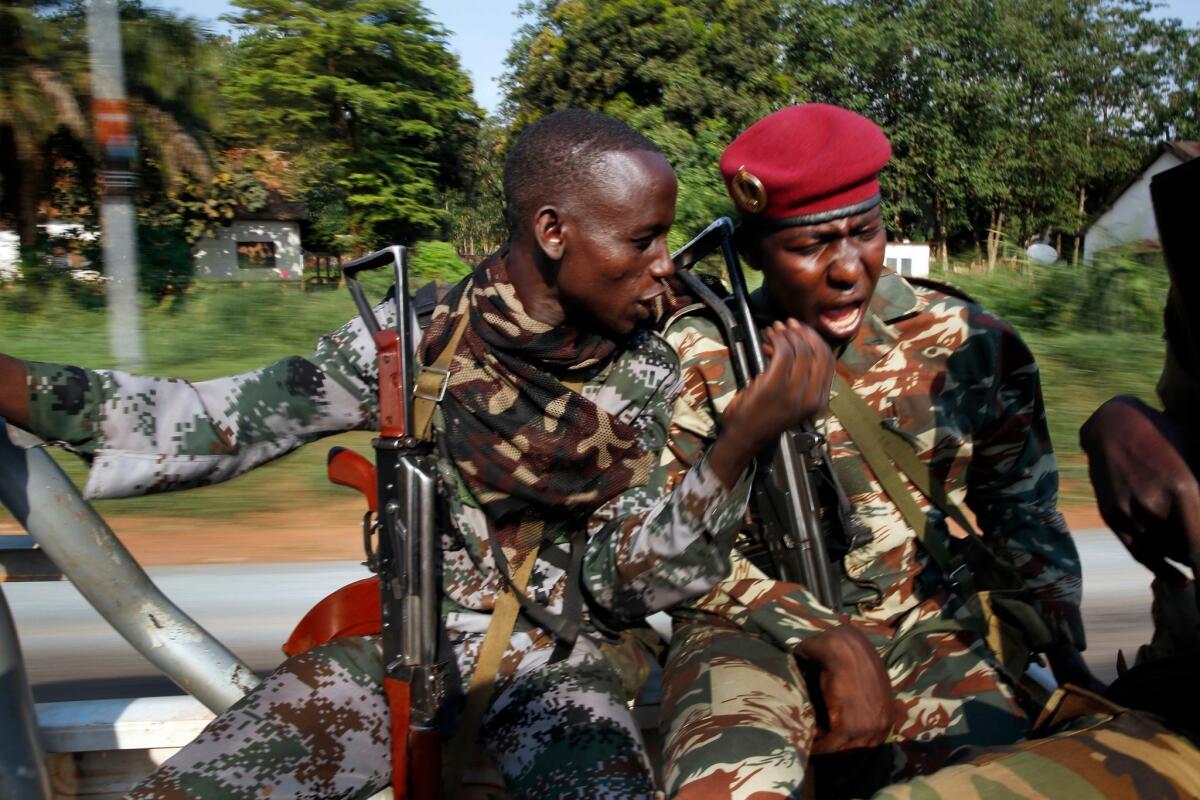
x=735 y=713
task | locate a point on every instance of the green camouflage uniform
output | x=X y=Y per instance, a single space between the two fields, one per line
x=1104 y=753
x=318 y=726
x=964 y=390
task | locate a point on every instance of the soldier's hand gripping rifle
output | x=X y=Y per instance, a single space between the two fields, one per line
x=405 y=551
x=785 y=498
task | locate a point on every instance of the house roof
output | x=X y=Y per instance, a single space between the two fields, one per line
x=1182 y=149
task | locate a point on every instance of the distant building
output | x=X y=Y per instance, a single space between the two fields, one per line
x=1128 y=216
x=257 y=246
x=64 y=255
x=911 y=260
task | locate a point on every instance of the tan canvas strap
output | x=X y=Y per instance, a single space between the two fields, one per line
x=864 y=427
x=495 y=642
x=432 y=382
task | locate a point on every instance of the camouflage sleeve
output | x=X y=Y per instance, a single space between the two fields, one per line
x=1012 y=482
x=661 y=552
x=144 y=434
x=785 y=613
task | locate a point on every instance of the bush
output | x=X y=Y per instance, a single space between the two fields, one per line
x=1122 y=290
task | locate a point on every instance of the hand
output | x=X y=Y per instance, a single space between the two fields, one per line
x=855 y=687
x=1145 y=488
x=14 y=391
x=793 y=388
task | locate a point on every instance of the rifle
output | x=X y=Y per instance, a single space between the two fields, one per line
x=405 y=545
x=785 y=498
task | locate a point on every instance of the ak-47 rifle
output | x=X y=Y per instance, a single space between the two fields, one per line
x=405 y=545
x=785 y=498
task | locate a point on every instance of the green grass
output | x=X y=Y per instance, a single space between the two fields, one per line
x=224 y=330
x=1080 y=371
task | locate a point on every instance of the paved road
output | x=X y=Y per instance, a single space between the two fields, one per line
x=72 y=654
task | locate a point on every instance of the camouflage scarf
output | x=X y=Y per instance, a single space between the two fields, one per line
x=522 y=440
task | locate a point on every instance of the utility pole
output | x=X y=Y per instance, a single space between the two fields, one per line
x=118 y=219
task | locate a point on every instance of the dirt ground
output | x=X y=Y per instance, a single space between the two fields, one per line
x=331 y=532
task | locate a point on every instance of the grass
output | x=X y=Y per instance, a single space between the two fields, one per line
x=224 y=330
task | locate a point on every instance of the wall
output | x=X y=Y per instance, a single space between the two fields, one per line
x=1131 y=217
x=217 y=259
x=916 y=256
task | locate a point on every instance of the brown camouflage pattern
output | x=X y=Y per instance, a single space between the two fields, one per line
x=648 y=547
x=520 y=439
x=962 y=387
x=1102 y=754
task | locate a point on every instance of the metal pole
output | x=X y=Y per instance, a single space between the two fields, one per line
x=37 y=492
x=118 y=219
x=23 y=771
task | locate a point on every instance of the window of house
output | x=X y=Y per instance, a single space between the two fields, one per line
x=906 y=266
x=256 y=255
x=891 y=263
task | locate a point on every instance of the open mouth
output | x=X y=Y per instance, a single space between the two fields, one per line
x=842 y=320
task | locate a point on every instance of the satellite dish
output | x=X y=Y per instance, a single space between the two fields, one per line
x=1041 y=253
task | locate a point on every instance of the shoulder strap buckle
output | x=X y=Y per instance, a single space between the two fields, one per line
x=424 y=390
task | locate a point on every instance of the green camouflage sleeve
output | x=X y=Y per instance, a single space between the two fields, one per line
x=668 y=540
x=1012 y=482
x=786 y=613
x=146 y=434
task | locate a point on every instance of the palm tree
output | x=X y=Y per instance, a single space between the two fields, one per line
x=44 y=89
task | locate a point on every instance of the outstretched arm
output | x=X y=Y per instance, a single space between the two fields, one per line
x=149 y=434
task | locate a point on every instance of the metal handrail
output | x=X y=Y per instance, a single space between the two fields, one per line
x=38 y=493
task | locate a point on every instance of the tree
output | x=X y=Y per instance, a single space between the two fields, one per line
x=46 y=146
x=367 y=99
x=690 y=74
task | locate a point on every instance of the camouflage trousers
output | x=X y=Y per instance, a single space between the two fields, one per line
x=1110 y=756
x=318 y=728
x=738 y=721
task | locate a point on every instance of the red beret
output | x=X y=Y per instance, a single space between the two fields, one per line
x=806 y=164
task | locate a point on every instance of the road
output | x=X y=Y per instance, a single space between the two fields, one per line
x=72 y=654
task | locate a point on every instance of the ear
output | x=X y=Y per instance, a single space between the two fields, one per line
x=548 y=231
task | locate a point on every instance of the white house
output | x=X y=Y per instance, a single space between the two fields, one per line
x=260 y=246
x=1128 y=217
x=907 y=258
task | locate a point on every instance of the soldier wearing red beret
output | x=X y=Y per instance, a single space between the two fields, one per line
x=906 y=660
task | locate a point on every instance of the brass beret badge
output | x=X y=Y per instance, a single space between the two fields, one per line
x=749 y=194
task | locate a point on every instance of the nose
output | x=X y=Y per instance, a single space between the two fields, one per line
x=845 y=264
x=662 y=266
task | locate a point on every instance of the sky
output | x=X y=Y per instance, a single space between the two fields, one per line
x=482 y=30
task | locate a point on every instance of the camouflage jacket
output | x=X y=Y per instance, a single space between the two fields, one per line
x=648 y=548
x=962 y=386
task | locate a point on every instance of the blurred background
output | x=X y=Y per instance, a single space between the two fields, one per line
x=269 y=140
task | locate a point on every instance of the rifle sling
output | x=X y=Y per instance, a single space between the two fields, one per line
x=495 y=643
x=565 y=626
x=431 y=383
x=890 y=459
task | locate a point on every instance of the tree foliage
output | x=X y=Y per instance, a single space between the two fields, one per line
x=1008 y=118
x=368 y=100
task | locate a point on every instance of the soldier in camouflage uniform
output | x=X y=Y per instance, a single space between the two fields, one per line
x=963 y=389
x=1142 y=464
x=565 y=303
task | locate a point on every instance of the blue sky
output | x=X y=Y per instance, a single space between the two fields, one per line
x=481 y=31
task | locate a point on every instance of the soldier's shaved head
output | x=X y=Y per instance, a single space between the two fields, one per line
x=556 y=157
